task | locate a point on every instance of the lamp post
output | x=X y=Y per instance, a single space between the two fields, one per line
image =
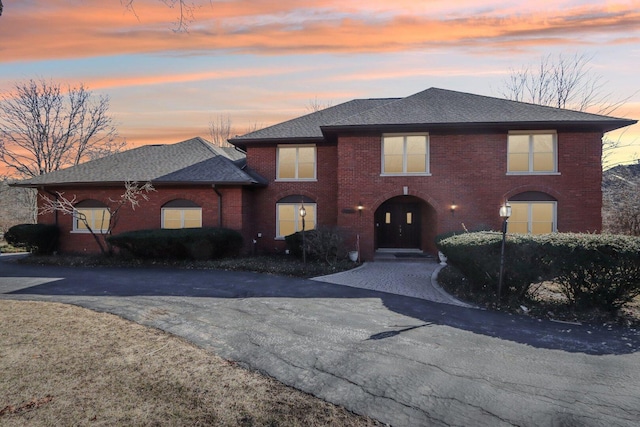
x=505 y=213
x=303 y=213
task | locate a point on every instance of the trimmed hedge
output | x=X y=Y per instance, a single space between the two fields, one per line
x=594 y=270
x=41 y=239
x=184 y=243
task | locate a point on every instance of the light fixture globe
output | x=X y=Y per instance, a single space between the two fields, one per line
x=505 y=211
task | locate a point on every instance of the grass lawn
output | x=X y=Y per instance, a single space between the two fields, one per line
x=64 y=365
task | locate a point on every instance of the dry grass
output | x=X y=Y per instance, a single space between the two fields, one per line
x=65 y=365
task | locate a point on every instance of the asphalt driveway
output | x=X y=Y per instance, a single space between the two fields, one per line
x=402 y=360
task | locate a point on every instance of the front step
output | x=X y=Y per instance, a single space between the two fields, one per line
x=389 y=254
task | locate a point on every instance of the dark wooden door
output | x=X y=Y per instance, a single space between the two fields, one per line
x=398 y=225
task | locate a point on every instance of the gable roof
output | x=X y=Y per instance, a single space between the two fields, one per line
x=194 y=161
x=431 y=109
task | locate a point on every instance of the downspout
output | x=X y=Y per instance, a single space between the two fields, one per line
x=219 y=205
x=55 y=197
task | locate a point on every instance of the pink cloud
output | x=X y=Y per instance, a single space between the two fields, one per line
x=264 y=27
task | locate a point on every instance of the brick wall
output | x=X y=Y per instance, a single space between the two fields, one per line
x=468 y=169
x=148 y=213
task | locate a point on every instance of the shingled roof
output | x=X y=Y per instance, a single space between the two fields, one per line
x=194 y=161
x=432 y=108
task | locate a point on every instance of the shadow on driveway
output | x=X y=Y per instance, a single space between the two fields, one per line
x=27 y=280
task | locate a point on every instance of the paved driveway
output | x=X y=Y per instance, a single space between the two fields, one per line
x=402 y=360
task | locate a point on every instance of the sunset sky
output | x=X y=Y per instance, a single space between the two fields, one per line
x=264 y=61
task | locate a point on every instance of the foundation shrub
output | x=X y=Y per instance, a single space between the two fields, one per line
x=41 y=239
x=185 y=243
x=477 y=256
x=326 y=244
x=593 y=271
x=599 y=271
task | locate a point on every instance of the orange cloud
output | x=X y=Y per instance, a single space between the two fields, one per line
x=268 y=27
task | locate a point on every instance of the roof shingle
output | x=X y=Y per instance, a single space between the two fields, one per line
x=192 y=161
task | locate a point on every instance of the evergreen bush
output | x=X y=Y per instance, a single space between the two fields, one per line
x=41 y=239
x=185 y=243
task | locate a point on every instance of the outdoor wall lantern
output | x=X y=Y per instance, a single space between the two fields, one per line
x=453 y=208
x=360 y=208
x=303 y=213
x=505 y=213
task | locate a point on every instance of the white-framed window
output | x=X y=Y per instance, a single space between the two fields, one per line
x=533 y=217
x=181 y=213
x=296 y=163
x=91 y=214
x=532 y=152
x=288 y=219
x=406 y=154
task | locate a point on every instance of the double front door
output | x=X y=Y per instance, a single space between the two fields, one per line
x=398 y=225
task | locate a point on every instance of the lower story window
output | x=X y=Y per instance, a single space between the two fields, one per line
x=532 y=217
x=95 y=218
x=181 y=217
x=289 y=221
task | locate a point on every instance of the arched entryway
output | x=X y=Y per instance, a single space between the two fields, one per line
x=405 y=222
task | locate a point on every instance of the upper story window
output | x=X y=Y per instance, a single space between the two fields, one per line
x=91 y=214
x=296 y=162
x=288 y=219
x=405 y=154
x=181 y=213
x=532 y=152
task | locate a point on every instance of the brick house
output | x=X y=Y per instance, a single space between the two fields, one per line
x=394 y=172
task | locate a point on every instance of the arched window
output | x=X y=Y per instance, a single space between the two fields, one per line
x=181 y=213
x=533 y=212
x=91 y=214
x=288 y=219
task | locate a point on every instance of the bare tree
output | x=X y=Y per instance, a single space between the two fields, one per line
x=17 y=205
x=621 y=200
x=1 y=7
x=565 y=82
x=43 y=129
x=315 y=105
x=133 y=194
x=220 y=130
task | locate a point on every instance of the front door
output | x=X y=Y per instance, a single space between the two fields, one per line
x=398 y=225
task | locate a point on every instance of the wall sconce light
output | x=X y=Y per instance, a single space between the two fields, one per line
x=453 y=208
x=360 y=208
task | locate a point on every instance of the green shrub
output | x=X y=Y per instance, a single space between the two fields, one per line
x=327 y=244
x=477 y=255
x=185 y=243
x=41 y=239
x=294 y=242
x=595 y=270
x=324 y=244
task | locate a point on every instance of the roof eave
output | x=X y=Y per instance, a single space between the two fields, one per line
x=603 y=126
x=243 y=143
x=121 y=184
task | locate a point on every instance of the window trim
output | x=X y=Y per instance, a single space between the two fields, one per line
x=427 y=171
x=297 y=146
x=531 y=133
x=181 y=209
x=75 y=228
x=530 y=203
x=298 y=221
